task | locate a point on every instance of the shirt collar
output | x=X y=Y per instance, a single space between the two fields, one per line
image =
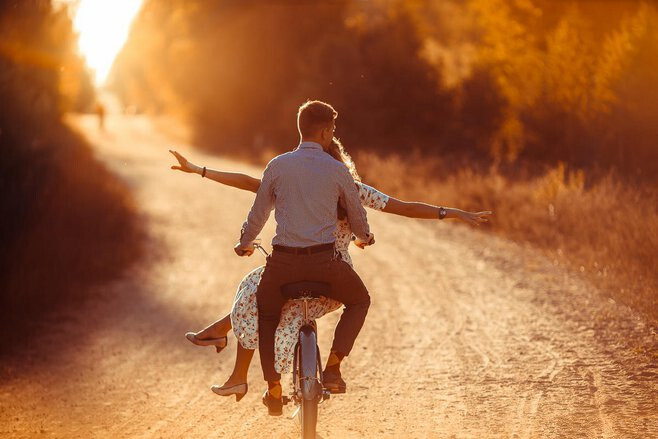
x=311 y=145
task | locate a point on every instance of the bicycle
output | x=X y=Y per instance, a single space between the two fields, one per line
x=308 y=391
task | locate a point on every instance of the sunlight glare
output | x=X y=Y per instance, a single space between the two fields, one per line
x=103 y=27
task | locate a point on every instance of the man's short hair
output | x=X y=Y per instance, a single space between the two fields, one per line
x=313 y=115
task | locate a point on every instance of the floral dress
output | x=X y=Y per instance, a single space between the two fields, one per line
x=244 y=314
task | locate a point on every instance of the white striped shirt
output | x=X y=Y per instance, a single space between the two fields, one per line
x=304 y=187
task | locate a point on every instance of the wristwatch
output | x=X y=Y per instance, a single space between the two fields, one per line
x=442 y=213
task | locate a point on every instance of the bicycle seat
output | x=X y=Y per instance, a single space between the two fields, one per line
x=298 y=290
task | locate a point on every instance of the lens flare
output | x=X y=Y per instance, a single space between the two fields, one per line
x=103 y=27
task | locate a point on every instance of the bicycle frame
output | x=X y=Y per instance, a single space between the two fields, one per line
x=308 y=390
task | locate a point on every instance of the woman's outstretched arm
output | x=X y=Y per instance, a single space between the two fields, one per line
x=234 y=179
x=413 y=209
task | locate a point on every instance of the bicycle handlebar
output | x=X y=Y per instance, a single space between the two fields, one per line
x=261 y=248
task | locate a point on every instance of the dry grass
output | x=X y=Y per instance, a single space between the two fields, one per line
x=605 y=229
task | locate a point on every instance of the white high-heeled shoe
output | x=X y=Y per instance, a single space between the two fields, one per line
x=239 y=390
x=219 y=343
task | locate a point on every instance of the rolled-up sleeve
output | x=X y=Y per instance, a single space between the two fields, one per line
x=349 y=197
x=260 y=210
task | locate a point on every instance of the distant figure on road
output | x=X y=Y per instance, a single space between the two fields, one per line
x=100 y=111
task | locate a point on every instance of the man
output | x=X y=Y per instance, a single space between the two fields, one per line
x=304 y=187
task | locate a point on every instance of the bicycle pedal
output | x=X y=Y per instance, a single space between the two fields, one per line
x=335 y=390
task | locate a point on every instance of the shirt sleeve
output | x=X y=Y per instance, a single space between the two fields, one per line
x=371 y=197
x=349 y=196
x=260 y=210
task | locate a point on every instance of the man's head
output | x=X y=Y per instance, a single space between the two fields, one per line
x=316 y=121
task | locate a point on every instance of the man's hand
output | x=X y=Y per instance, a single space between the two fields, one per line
x=363 y=244
x=244 y=251
x=474 y=218
x=185 y=165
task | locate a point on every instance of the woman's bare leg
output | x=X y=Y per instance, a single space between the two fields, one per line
x=216 y=329
x=241 y=368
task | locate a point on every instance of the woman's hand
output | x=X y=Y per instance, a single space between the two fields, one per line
x=363 y=244
x=185 y=165
x=473 y=218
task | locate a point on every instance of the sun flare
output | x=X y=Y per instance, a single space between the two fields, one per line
x=103 y=27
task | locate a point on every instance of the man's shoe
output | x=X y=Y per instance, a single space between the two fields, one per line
x=333 y=382
x=274 y=405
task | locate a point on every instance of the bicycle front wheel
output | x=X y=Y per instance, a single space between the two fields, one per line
x=309 y=417
x=309 y=381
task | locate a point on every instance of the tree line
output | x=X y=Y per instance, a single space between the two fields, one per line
x=490 y=81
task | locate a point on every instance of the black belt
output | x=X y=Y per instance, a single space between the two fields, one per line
x=304 y=250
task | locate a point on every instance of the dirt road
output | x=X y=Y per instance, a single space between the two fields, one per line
x=468 y=335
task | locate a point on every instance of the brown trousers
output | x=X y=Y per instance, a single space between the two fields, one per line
x=346 y=287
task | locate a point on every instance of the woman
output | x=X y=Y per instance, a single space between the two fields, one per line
x=244 y=314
